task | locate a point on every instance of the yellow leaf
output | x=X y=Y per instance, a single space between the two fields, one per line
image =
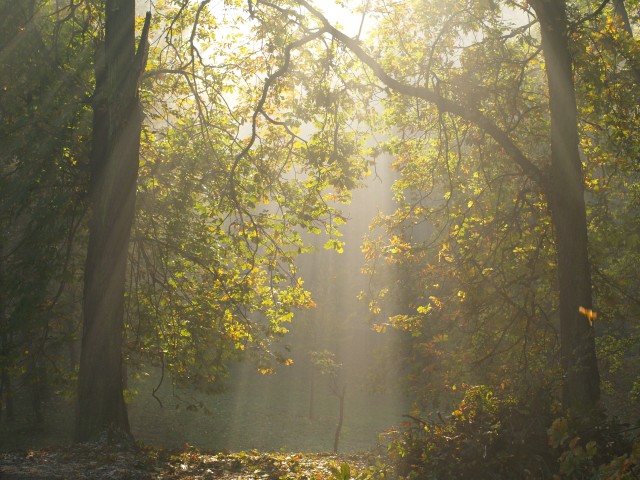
x=590 y=314
x=379 y=327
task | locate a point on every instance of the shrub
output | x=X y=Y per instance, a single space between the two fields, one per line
x=493 y=435
x=489 y=436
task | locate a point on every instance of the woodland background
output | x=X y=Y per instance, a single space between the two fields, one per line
x=204 y=193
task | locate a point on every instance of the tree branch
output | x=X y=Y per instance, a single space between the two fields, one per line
x=265 y=92
x=443 y=104
x=593 y=15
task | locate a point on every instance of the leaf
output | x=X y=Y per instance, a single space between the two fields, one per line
x=334 y=244
x=590 y=314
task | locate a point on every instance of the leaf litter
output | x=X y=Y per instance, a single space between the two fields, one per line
x=101 y=461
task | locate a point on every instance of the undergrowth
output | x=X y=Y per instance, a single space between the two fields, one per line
x=493 y=435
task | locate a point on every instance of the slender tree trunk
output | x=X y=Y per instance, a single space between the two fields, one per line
x=37 y=384
x=336 y=438
x=114 y=170
x=312 y=393
x=581 y=382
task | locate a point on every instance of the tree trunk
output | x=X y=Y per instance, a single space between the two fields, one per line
x=114 y=170
x=36 y=376
x=7 y=397
x=581 y=380
x=312 y=393
x=336 y=438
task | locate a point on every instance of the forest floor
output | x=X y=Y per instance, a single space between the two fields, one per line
x=255 y=415
x=103 y=462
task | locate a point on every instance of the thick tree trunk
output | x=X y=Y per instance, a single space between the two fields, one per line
x=7 y=397
x=114 y=171
x=581 y=382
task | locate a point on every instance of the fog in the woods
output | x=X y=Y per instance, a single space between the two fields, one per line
x=403 y=228
x=295 y=407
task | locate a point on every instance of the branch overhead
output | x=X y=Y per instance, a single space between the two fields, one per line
x=442 y=103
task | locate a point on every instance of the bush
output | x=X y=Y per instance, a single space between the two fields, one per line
x=608 y=451
x=493 y=435
x=490 y=435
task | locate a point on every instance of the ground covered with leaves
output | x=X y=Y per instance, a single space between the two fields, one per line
x=101 y=462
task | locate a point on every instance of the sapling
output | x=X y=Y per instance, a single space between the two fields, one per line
x=326 y=363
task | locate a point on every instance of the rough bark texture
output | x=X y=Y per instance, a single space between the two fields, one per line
x=114 y=170
x=581 y=382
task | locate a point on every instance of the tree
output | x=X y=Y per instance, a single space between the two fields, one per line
x=562 y=186
x=565 y=193
x=324 y=361
x=218 y=225
x=606 y=59
x=558 y=178
x=228 y=277
x=117 y=123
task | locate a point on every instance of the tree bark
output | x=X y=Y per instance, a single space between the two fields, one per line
x=117 y=123
x=581 y=380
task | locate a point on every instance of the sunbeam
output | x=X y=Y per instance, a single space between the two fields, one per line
x=296 y=239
